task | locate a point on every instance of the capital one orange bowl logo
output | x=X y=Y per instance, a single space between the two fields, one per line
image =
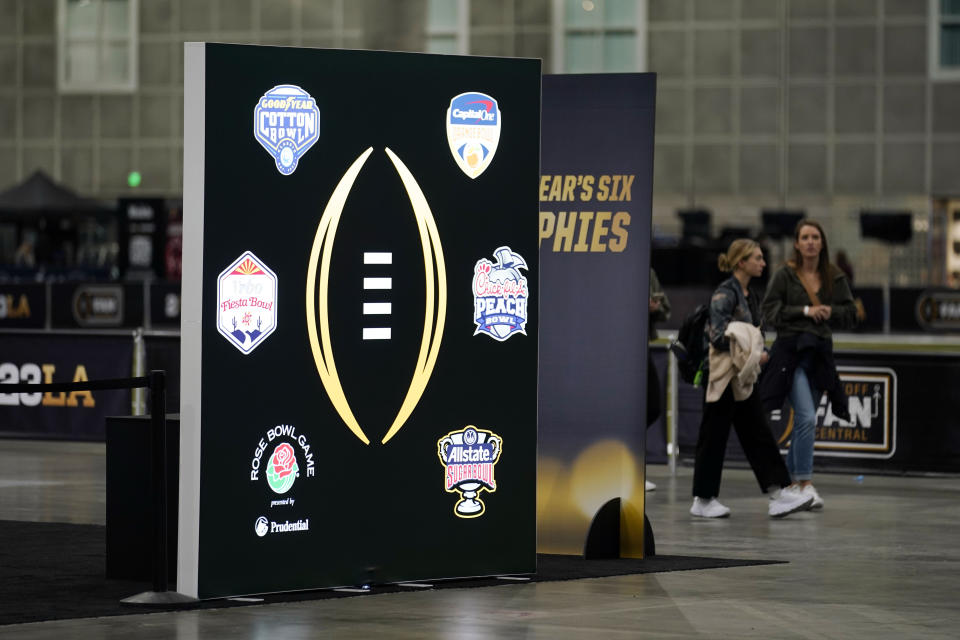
x=317 y=297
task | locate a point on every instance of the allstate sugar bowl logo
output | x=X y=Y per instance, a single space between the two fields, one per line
x=473 y=131
x=246 y=302
x=286 y=122
x=500 y=295
x=469 y=457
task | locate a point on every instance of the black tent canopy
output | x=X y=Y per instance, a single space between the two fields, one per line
x=46 y=226
x=39 y=194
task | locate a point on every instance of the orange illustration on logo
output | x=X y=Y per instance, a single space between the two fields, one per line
x=247 y=268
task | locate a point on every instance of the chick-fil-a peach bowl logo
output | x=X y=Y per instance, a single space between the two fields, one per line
x=501 y=295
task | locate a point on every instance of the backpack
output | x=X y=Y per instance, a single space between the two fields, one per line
x=690 y=347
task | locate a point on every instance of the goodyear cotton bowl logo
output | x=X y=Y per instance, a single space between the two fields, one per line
x=500 y=295
x=246 y=302
x=473 y=131
x=286 y=123
x=469 y=456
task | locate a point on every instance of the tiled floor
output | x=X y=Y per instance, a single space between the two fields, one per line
x=881 y=561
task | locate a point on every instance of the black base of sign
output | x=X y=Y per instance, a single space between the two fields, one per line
x=129 y=507
x=159 y=598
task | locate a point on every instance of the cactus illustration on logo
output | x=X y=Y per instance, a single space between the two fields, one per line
x=282 y=468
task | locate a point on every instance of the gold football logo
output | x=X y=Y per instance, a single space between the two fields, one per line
x=318 y=293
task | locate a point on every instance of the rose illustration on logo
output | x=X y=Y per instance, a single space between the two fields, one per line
x=282 y=468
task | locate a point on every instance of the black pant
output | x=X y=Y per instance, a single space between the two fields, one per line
x=755 y=437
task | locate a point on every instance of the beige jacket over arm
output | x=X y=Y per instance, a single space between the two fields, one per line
x=740 y=367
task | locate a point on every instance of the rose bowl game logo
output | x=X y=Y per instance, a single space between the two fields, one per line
x=281 y=467
x=468 y=457
x=500 y=295
x=473 y=131
x=246 y=302
x=286 y=123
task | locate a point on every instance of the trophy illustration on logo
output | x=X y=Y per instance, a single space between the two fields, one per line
x=473 y=131
x=468 y=456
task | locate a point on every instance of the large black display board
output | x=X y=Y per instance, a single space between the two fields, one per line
x=595 y=207
x=359 y=318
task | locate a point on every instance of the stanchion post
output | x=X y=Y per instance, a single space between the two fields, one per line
x=158 y=429
x=138 y=394
x=673 y=414
x=158 y=439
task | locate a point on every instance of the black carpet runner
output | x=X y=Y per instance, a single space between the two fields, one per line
x=52 y=571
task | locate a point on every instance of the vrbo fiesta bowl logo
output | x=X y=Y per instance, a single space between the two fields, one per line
x=246 y=302
x=282 y=468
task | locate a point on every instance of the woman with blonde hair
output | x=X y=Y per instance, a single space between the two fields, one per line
x=736 y=354
x=805 y=299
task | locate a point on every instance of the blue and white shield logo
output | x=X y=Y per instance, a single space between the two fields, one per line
x=286 y=122
x=473 y=131
x=501 y=295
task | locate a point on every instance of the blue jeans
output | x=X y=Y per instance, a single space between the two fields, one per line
x=804 y=399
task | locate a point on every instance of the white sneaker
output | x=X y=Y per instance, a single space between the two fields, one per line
x=708 y=508
x=649 y=486
x=787 y=501
x=817 y=500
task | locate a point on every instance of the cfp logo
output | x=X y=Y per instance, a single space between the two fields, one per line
x=938 y=310
x=98 y=306
x=317 y=297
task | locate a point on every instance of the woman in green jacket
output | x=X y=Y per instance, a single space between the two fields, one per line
x=806 y=299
